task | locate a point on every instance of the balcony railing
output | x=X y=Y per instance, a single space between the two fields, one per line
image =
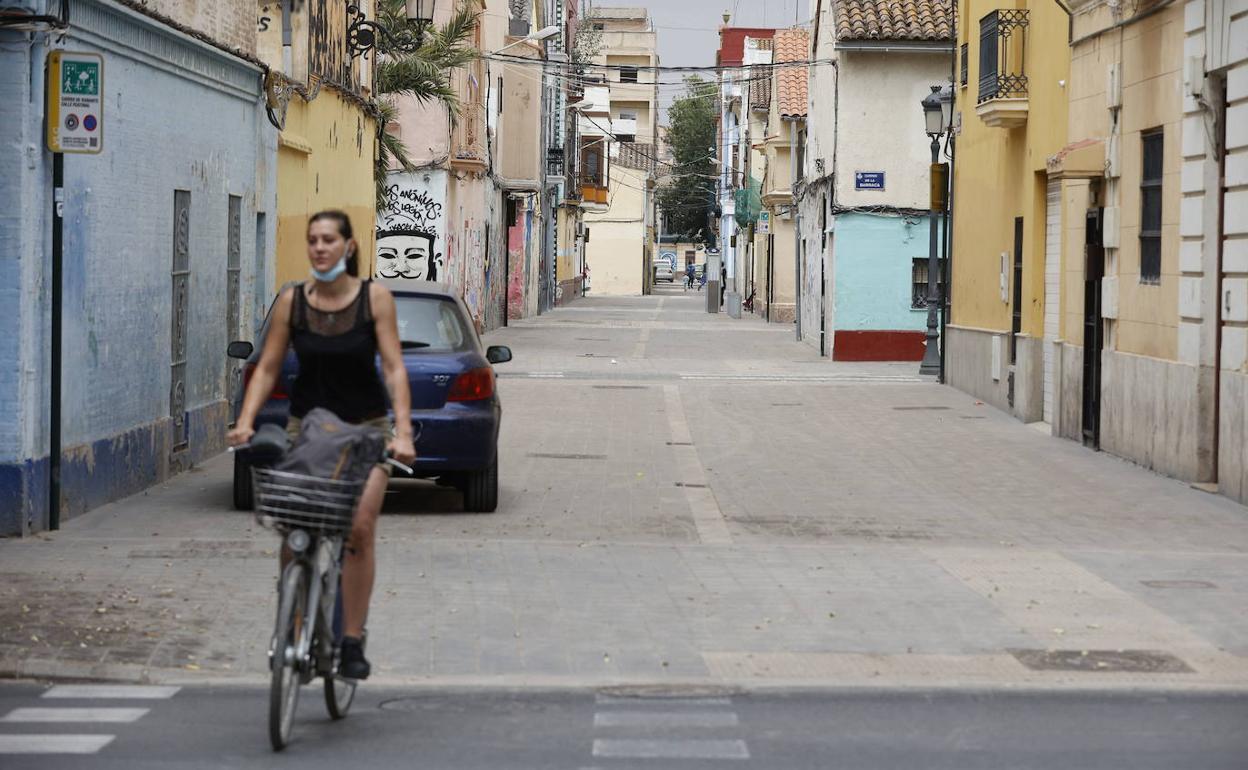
x=593 y=189
x=468 y=137
x=1002 y=55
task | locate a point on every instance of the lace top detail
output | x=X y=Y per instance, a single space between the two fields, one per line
x=337 y=354
x=331 y=324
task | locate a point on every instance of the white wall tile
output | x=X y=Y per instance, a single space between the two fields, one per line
x=1234 y=299
x=1191 y=216
x=1191 y=256
x=1189 y=342
x=1189 y=297
x=1235 y=255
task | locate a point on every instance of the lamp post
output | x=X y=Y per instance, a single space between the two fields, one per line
x=362 y=34
x=936 y=118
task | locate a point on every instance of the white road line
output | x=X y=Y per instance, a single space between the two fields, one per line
x=621 y=700
x=53 y=744
x=663 y=719
x=646 y=748
x=112 y=691
x=74 y=715
x=708 y=519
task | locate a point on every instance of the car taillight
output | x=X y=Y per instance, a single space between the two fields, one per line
x=279 y=388
x=474 y=385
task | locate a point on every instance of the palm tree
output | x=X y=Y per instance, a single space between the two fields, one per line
x=423 y=73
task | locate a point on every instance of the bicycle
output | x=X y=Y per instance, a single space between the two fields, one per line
x=314 y=516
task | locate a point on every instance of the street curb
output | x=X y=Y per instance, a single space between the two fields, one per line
x=639 y=687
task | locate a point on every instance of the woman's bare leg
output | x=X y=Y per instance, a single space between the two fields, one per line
x=359 y=566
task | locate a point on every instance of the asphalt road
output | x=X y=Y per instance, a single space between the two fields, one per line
x=206 y=727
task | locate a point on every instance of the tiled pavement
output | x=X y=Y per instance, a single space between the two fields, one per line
x=692 y=498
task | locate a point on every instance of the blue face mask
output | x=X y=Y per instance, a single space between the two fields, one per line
x=331 y=274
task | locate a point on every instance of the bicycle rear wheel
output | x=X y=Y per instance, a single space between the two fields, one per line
x=339 y=693
x=287 y=634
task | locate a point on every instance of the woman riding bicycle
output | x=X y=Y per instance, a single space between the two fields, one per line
x=338 y=324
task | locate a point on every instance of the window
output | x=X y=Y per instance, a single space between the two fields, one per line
x=626 y=138
x=627 y=115
x=1150 y=207
x=966 y=63
x=430 y=325
x=1002 y=54
x=988 y=57
x=628 y=74
x=599 y=27
x=592 y=166
x=918 y=284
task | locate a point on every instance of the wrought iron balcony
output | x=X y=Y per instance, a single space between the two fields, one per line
x=1002 y=67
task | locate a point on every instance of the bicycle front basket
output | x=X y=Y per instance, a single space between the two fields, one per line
x=287 y=501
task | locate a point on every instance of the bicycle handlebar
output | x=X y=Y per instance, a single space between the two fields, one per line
x=388 y=458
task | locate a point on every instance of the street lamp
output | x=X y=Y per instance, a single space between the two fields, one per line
x=362 y=34
x=936 y=117
x=545 y=33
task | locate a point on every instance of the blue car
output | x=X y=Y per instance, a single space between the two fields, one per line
x=455 y=407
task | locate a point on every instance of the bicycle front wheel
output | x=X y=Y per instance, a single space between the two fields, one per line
x=284 y=685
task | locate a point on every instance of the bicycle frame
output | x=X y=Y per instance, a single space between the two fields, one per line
x=322 y=560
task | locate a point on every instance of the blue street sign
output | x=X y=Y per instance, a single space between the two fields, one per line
x=868 y=180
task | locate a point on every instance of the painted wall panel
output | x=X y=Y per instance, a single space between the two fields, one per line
x=412 y=227
x=874 y=259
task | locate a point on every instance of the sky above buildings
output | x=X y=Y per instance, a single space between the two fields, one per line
x=688 y=29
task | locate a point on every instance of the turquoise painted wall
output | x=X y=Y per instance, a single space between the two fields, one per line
x=874 y=256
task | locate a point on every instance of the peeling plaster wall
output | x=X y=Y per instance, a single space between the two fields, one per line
x=118 y=244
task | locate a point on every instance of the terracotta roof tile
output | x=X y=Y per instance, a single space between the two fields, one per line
x=791 y=45
x=893 y=19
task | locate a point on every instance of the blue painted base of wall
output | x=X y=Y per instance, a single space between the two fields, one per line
x=106 y=470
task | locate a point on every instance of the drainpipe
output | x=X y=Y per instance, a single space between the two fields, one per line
x=797 y=227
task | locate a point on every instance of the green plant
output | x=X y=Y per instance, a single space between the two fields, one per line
x=423 y=73
x=688 y=196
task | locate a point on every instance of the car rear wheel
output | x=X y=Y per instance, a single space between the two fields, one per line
x=244 y=491
x=481 y=489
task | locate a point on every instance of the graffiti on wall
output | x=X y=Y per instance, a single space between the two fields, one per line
x=411 y=232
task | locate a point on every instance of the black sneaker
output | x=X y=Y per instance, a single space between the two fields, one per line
x=352 y=664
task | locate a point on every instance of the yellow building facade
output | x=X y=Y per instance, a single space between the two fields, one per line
x=1011 y=115
x=327 y=142
x=1100 y=242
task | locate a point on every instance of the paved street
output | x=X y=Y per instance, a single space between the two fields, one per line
x=692 y=501
x=221 y=727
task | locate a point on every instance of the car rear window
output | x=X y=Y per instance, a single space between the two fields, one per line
x=437 y=323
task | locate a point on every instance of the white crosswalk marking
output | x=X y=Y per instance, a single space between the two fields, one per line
x=665 y=719
x=111 y=715
x=53 y=744
x=616 y=700
x=646 y=748
x=677 y=728
x=112 y=691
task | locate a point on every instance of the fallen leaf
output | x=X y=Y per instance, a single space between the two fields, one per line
x=192 y=666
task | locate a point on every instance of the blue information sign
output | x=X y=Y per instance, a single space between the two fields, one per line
x=868 y=180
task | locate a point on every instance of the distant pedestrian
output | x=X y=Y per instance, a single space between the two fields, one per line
x=723 y=283
x=689 y=276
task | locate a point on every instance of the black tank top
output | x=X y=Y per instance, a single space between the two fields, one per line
x=337 y=359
